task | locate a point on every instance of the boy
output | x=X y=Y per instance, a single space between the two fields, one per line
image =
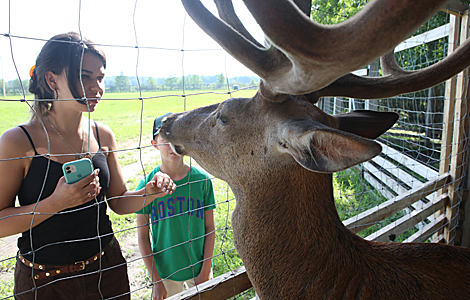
x=183 y=231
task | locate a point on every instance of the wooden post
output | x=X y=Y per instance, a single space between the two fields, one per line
x=449 y=104
x=459 y=145
x=430 y=130
x=371 y=104
x=449 y=100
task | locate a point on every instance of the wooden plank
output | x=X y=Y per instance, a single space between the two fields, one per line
x=427 y=231
x=387 y=181
x=438 y=239
x=371 y=104
x=455 y=7
x=394 y=205
x=459 y=140
x=409 y=220
x=384 y=178
x=223 y=287
x=378 y=186
x=390 y=182
x=423 y=38
x=410 y=163
x=449 y=105
x=405 y=177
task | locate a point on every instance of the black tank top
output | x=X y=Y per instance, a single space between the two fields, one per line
x=72 y=234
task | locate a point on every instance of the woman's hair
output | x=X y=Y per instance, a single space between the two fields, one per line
x=62 y=53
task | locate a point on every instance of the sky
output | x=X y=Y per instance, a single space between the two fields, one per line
x=161 y=29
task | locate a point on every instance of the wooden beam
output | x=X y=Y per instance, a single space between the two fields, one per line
x=439 y=239
x=223 y=287
x=395 y=170
x=459 y=141
x=449 y=102
x=408 y=221
x=386 y=180
x=394 y=205
x=423 y=38
x=455 y=7
x=449 y=106
x=413 y=165
x=379 y=186
x=427 y=231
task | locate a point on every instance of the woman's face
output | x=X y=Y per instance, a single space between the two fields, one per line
x=92 y=77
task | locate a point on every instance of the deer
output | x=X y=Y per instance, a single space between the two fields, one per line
x=278 y=150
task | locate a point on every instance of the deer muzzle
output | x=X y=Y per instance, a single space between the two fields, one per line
x=177 y=149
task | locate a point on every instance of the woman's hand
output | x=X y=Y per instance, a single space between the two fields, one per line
x=160 y=182
x=159 y=291
x=69 y=195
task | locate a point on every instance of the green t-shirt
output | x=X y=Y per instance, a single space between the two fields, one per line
x=176 y=216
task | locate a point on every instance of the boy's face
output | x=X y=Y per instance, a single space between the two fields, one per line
x=165 y=150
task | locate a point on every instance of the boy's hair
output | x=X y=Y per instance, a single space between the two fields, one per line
x=157 y=124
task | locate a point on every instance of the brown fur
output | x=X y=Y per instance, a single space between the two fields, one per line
x=286 y=228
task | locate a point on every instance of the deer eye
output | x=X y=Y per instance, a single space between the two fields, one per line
x=223 y=119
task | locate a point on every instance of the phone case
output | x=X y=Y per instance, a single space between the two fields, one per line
x=77 y=169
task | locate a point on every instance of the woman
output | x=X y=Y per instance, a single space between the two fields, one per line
x=66 y=231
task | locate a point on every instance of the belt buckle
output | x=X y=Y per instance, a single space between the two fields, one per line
x=81 y=263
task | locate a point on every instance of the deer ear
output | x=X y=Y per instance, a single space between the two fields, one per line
x=366 y=123
x=323 y=149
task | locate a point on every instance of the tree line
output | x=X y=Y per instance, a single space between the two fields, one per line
x=123 y=83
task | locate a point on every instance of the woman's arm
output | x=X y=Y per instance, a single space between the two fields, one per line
x=209 y=242
x=159 y=290
x=120 y=200
x=13 y=220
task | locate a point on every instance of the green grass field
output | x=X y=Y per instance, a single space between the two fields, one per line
x=127 y=118
x=124 y=116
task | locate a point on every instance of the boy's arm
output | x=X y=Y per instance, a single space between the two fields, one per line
x=159 y=291
x=209 y=242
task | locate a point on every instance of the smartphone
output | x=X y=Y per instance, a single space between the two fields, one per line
x=77 y=169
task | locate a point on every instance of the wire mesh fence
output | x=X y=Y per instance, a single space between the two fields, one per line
x=417 y=151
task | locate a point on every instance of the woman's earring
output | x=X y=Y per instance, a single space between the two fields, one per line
x=56 y=94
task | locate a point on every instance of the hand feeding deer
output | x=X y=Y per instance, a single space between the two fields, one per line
x=277 y=151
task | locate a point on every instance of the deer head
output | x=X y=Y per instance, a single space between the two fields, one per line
x=277 y=150
x=302 y=61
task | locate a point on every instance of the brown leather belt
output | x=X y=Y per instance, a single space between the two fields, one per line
x=56 y=270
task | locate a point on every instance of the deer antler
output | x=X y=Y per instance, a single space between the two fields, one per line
x=304 y=56
x=227 y=13
x=396 y=80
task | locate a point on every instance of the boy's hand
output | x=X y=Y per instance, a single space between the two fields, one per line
x=202 y=278
x=159 y=291
x=161 y=182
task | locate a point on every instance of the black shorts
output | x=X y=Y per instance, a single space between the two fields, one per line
x=91 y=283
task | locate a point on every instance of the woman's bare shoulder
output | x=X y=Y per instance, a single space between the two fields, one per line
x=14 y=143
x=106 y=135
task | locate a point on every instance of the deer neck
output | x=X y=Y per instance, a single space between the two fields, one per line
x=289 y=225
x=302 y=203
